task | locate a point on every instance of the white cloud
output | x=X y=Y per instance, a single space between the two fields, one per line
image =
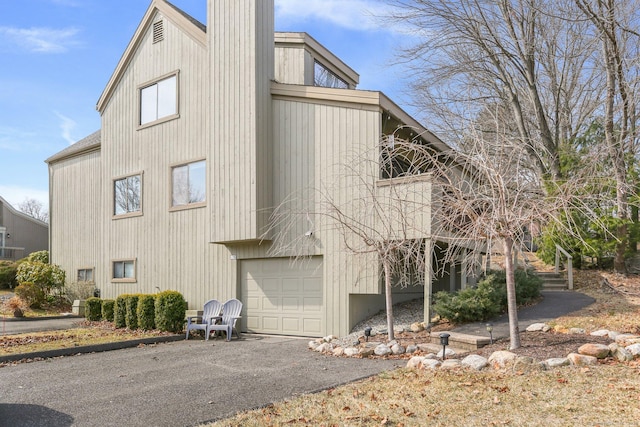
x=16 y=195
x=39 y=40
x=67 y=125
x=362 y=15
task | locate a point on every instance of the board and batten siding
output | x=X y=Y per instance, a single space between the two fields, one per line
x=241 y=38
x=315 y=145
x=290 y=65
x=76 y=238
x=169 y=246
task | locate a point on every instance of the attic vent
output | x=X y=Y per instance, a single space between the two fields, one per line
x=158 y=31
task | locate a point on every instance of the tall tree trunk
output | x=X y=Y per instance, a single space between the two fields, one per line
x=514 y=330
x=388 y=299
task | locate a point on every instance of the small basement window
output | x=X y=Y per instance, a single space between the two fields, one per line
x=124 y=270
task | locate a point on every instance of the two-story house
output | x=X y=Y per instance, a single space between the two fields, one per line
x=20 y=234
x=204 y=131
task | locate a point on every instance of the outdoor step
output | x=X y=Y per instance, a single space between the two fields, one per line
x=463 y=341
x=552 y=281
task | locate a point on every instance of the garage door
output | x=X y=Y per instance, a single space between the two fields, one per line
x=283 y=298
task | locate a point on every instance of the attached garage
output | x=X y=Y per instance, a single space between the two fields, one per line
x=281 y=297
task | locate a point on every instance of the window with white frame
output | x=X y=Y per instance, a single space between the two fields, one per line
x=124 y=270
x=188 y=184
x=159 y=100
x=85 y=275
x=127 y=195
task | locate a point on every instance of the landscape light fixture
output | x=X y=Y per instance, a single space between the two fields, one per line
x=490 y=330
x=367 y=332
x=444 y=340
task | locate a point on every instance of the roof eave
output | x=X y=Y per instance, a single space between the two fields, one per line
x=167 y=10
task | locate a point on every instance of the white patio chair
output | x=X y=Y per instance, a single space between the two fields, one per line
x=230 y=313
x=210 y=314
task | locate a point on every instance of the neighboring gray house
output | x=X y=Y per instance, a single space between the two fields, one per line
x=205 y=130
x=20 y=234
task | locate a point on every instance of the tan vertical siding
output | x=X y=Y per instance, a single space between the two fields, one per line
x=169 y=247
x=76 y=232
x=290 y=65
x=241 y=63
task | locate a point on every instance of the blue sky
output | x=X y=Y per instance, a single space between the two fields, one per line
x=57 y=56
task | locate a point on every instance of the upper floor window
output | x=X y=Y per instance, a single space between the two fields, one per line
x=324 y=77
x=188 y=184
x=159 y=100
x=127 y=195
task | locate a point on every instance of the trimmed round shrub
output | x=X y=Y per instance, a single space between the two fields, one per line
x=31 y=293
x=170 y=311
x=131 y=317
x=147 y=312
x=93 y=309
x=108 y=306
x=120 y=312
x=8 y=271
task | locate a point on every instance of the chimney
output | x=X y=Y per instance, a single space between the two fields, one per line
x=241 y=68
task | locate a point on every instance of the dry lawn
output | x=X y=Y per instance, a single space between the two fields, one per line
x=88 y=333
x=604 y=395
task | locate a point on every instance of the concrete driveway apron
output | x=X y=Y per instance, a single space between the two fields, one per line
x=183 y=383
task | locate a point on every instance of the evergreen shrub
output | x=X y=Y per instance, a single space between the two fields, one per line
x=131 y=316
x=108 y=306
x=488 y=299
x=93 y=309
x=120 y=312
x=170 y=311
x=146 y=312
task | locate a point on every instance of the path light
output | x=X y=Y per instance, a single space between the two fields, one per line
x=490 y=330
x=444 y=340
x=367 y=332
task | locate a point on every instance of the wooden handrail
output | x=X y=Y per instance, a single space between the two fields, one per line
x=569 y=264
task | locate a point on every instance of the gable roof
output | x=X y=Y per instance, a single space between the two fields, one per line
x=89 y=143
x=188 y=24
x=23 y=215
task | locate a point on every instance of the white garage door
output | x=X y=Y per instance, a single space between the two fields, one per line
x=283 y=298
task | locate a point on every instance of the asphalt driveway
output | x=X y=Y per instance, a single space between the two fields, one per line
x=182 y=383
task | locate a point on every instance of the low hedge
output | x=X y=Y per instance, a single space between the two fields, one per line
x=488 y=299
x=169 y=309
x=108 y=306
x=131 y=316
x=93 y=309
x=147 y=312
x=120 y=312
x=164 y=311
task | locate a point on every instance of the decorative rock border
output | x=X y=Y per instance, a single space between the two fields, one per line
x=625 y=348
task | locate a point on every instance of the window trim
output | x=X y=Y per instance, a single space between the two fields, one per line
x=133 y=279
x=150 y=83
x=202 y=204
x=113 y=196
x=85 y=269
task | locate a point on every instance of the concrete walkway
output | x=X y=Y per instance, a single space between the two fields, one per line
x=553 y=305
x=12 y=325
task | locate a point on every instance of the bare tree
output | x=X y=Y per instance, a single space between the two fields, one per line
x=35 y=209
x=383 y=224
x=614 y=27
x=517 y=55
